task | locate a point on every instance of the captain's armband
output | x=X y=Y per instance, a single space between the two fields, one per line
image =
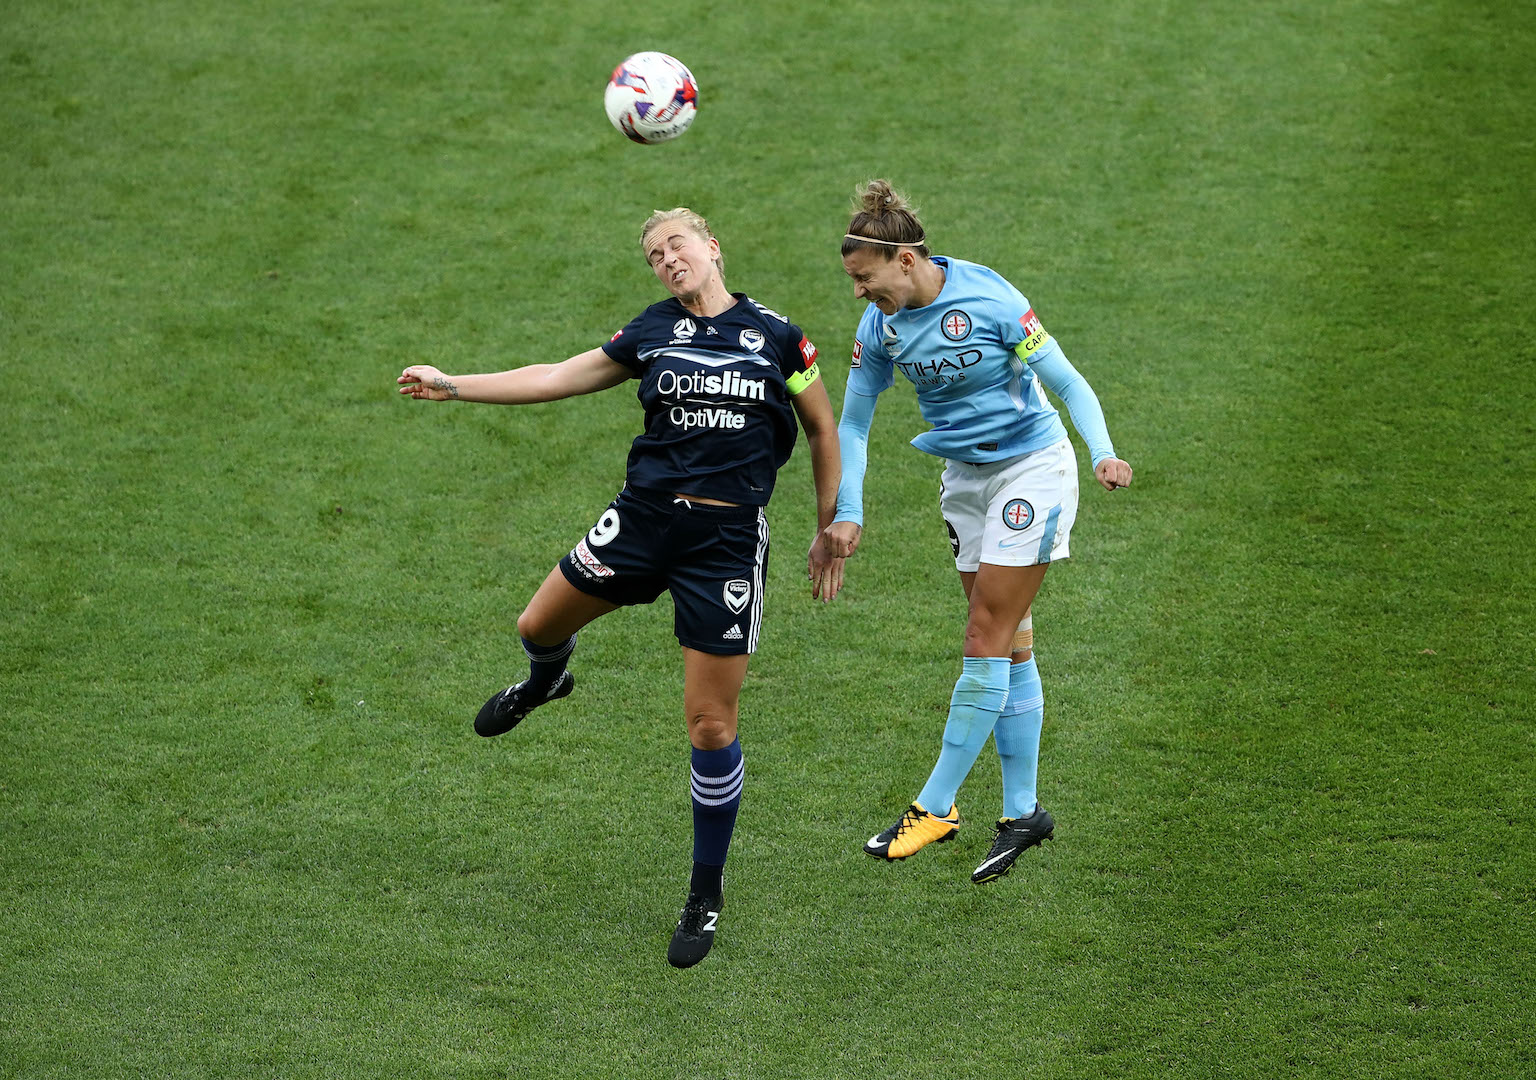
x=1035 y=337
x=800 y=380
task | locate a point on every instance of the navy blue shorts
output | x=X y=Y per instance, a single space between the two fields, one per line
x=713 y=559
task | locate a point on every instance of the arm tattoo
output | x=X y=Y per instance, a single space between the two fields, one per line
x=441 y=383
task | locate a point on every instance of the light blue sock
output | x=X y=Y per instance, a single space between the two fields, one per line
x=979 y=695
x=1018 y=739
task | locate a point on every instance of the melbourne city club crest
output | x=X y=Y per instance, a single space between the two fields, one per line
x=956 y=325
x=1018 y=514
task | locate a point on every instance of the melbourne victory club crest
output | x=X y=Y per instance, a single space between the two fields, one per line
x=737 y=593
x=956 y=325
x=1018 y=514
x=752 y=340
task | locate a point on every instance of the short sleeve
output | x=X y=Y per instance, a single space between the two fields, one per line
x=797 y=361
x=1012 y=312
x=623 y=347
x=1020 y=327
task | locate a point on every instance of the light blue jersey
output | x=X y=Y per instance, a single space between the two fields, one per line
x=977 y=357
x=980 y=395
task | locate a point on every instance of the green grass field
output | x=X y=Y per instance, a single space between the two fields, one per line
x=250 y=599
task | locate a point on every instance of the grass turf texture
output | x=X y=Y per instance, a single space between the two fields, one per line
x=251 y=600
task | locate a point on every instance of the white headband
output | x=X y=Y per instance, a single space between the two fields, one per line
x=887 y=243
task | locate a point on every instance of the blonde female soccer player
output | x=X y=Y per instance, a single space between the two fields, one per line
x=722 y=380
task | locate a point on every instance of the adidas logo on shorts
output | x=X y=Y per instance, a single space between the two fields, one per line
x=733 y=634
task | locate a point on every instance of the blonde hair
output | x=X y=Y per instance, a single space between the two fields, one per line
x=689 y=218
x=884 y=221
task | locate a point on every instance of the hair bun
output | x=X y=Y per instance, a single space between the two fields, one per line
x=884 y=218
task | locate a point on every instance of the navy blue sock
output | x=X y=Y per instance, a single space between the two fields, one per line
x=546 y=663
x=707 y=880
x=715 y=782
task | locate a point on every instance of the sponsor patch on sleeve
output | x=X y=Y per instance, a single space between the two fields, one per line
x=1034 y=335
x=807 y=350
x=858 y=353
x=616 y=335
x=808 y=372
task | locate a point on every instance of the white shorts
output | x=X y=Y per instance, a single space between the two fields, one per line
x=1017 y=512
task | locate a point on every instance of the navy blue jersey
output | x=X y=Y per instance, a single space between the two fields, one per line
x=716 y=392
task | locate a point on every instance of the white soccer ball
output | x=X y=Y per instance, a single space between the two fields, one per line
x=651 y=97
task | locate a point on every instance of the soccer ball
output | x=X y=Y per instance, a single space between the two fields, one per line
x=651 y=97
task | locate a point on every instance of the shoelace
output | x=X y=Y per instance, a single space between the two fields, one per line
x=692 y=920
x=908 y=820
x=512 y=702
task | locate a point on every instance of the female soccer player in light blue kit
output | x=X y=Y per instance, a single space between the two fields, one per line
x=977 y=355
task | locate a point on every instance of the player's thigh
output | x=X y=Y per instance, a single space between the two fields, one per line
x=967 y=581
x=711 y=696
x=1000 y=598
x=558 y=609
x=619 y=562
x=1019 y=655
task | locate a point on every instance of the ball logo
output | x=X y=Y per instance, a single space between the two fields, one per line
x=1018 y=514
x=752 y=340
x=632 y=80
x=737 y=593
x=684 y=328
x=892 y=343
x=956 y=325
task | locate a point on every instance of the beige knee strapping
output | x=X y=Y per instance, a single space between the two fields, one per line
x=1024 y=636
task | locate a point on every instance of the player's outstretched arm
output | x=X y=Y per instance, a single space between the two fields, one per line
x=584 y=373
